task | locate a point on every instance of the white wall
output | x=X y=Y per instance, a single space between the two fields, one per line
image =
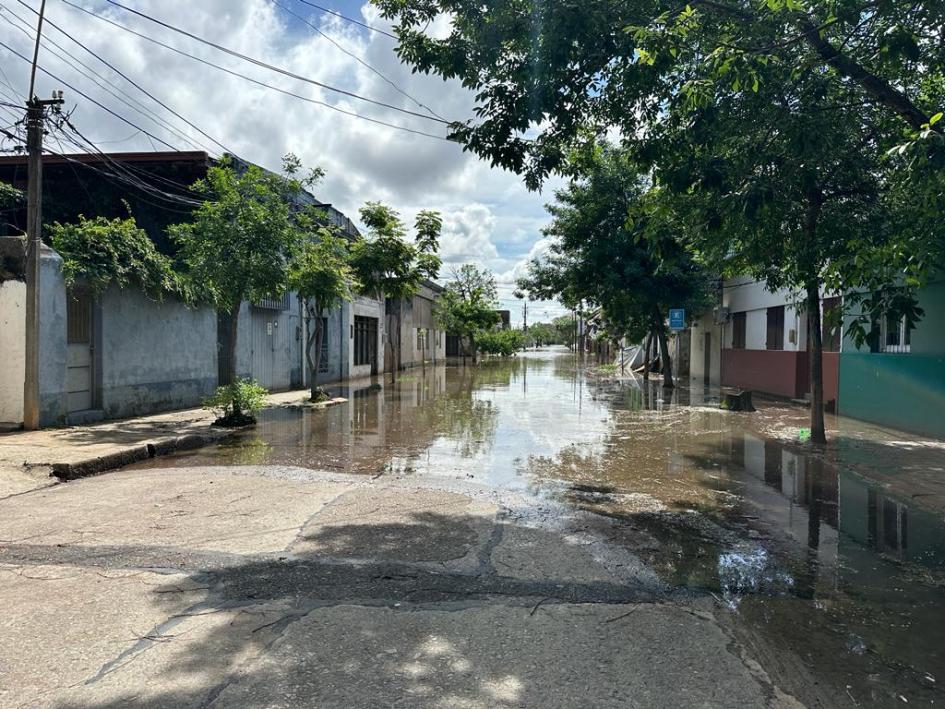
x=746 y=295
x=12 y=352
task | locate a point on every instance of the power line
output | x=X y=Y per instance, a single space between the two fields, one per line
x=129 y=80
x=251 y=79
x=271 y=67
x=354 y=56
x=349 y=19
x=87 y=97
x=103 y=83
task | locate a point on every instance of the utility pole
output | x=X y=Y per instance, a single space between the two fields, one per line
x=35 y=116
x=525 y=323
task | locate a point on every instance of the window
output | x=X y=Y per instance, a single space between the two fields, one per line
x=421 y=338
x=830 y=330
x=896 y=337
x=365 y=340
x=738 y=330
x=775 y=339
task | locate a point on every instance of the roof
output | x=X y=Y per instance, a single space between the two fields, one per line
x=195 y=156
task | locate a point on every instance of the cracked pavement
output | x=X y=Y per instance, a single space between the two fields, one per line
x=271 y=586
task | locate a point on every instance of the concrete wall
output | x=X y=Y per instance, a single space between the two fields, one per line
x=901 y=390
x=363 y=306
x=701 y=326
x=418 y=313
x=12 y=354
x=153 y=356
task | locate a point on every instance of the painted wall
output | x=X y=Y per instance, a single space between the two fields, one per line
x=366 y=307
x=53 y=353
x=907 y=390
x=782 y=373
x=12 y=354
x=697 y=333
x=153 y=356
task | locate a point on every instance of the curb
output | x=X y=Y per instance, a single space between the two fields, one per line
x=143 y=451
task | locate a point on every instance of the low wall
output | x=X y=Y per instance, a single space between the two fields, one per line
x=904 y=391
x=778 y=372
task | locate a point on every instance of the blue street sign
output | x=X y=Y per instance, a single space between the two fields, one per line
x=677 y=319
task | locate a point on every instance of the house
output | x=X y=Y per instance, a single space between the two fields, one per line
x=119 y=353
x=421 y=341
x=756 y=339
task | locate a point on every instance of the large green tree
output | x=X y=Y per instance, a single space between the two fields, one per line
x=796 y=141
x=543 y=70
x=469 y=305
x=242 y=238
x=322 y=275
x=389 y=265
x=612 y=249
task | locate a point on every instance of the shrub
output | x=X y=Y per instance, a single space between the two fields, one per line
x=237 y=403
x=500 y=342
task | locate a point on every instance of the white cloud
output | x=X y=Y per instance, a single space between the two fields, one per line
x=489 y=217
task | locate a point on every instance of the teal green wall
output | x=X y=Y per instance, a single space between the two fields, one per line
x=904 y=391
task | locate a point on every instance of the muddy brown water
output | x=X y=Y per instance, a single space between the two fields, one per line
x=831 y=557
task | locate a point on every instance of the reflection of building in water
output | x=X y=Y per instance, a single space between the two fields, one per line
x=823 y=507
x=876 y=520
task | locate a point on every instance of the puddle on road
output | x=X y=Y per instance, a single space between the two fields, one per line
x=838 y=558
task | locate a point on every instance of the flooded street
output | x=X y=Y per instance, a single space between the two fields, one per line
x=832 y=558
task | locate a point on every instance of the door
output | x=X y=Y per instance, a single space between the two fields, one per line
x=274 y=349
x=707 y=360
x=79 y=341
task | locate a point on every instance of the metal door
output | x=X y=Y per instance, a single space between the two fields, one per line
x=273 y=349
x=79 y=341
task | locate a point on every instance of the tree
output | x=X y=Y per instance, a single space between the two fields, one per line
x=545 y=71
x=104 y=252
x=504 y=343
x=772 y=120
x=322 y=276
x=564 y=329
x=389 y=266
x=469 y=305
x=541 y=334
x=242 y=237
x=610 y=248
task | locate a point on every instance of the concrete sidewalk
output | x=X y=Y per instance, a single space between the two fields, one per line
x=34 y=459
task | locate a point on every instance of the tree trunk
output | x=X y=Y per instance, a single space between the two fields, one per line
x=313 y=351
x=234 y=330
x=665 y=360
x=646 y=355
x=816 y=352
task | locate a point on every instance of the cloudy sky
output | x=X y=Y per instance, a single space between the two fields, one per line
x=489 y=217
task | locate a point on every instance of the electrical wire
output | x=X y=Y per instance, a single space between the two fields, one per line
x=103 y=84
x=270 y=67
x=354 y=56
x=86 y=96
x=127 y=78
x=348 y=19
x=252 y=80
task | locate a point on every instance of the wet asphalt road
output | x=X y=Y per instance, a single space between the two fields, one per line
x=523 y=533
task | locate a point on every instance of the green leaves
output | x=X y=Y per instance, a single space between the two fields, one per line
x=104 y=252
x=469 y=304
x=241 y=239
x=385 y=262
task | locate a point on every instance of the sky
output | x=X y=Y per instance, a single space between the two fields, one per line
x=490 y=219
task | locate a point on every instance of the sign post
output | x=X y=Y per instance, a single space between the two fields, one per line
x=677 y=323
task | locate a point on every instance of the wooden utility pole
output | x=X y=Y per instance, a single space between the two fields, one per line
x=35 y=116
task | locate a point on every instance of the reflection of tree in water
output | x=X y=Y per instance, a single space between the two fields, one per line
x=246 y=450
x=463 y=418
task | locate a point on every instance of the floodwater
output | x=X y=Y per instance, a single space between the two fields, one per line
x=833 y=558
